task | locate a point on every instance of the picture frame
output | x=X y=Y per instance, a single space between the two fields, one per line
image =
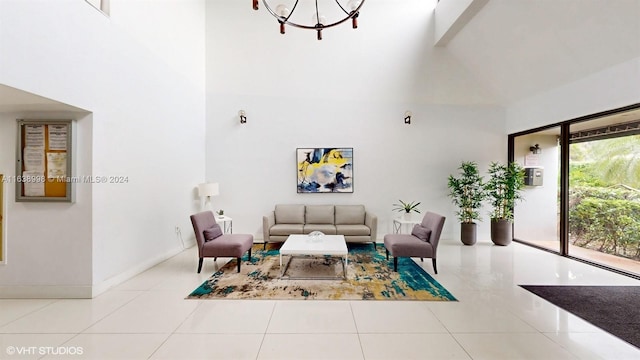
x=324 y=170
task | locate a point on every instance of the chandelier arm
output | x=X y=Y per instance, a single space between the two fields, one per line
x=343 y=9
x=291 y=12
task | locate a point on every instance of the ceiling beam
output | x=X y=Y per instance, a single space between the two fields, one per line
x=452 y=16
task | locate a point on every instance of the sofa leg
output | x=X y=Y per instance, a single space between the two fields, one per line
x=435 y=269
x=387 y=250
x=200 y=265
x=375 y=246
x=395 y=263
x=239 y=262
x=264 y=246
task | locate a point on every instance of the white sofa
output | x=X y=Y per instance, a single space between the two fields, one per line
x=353 y=221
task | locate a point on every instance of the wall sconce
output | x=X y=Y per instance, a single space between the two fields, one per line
x=535 y=149
x=243 y=116
x=407 y=117
x=207 y=190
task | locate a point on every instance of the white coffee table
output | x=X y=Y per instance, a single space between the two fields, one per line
x=299 y=245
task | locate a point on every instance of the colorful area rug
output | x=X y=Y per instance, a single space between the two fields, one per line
x=369 y=277
x=611 y=308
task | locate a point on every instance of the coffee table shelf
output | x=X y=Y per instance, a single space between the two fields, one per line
x=299 y=245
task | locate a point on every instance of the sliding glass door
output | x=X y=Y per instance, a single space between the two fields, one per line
x=604 y=195
x=582 y=197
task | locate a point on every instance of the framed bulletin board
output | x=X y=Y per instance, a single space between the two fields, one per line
x=43 y=161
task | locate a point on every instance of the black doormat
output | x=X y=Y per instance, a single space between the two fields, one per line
x=615 y=309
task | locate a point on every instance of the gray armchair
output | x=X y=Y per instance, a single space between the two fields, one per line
x=422 y=242
x=213 y=243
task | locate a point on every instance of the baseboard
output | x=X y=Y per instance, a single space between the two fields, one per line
x=138 y=269
x=84 y=291
x=45 y=292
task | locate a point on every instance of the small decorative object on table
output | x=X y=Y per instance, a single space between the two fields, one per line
x=316 y=236
x=220 y=213
x=406 y=208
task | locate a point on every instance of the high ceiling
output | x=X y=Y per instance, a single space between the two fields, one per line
x=513 y=48
x=519 y=48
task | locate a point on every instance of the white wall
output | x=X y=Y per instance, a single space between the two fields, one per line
x=349 y=90
x=146 y=124
x=48 y=244
x=612 y=88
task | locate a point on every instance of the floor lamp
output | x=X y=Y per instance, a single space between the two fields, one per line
x=207 y=190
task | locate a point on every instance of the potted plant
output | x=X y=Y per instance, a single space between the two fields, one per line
x=406 y=208
x=220 y=213
x=467 y=193
x=504 y=188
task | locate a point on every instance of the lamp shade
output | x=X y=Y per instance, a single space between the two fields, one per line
x=208 y=189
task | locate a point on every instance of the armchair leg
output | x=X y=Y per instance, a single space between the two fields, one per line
x=387 y=250
x=239 y=262
x=422 y=259
x=375 y=246
x=200 y=265
x=395 y=263
x=435 y=269
x=249 y=254
x=264 y=246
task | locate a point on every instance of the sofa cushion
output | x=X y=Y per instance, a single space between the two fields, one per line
x=350 y=214
x=289 y=214
x=319 y=214
x=353 y=230
x=327 y=229
x=212 y=232
x=286 y=229
x=421 y=232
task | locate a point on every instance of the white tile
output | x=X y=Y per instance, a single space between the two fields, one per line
x=291 y=317
x=478 y=317
x=230 y=317
x=70 y=315
x=109 y=346
x=310 y=346
x=596 y=346
x=210 y=346
x=411 y=346
x=152 y=312
x=12 y=309
x=493 y=319
x=512 y=346
x=395 y=317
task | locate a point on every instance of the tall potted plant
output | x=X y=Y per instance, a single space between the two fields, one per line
x=467 y=193
x=504 y=188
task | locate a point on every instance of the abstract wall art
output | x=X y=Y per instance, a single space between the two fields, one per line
x=325 y=170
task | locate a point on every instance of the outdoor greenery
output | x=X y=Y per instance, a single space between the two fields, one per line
x=504 y=188
x=467 y=192
x=604 y=203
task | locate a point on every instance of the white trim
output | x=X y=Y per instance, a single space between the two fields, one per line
x=138 y=269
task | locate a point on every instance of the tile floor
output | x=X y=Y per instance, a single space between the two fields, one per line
x=148 y=318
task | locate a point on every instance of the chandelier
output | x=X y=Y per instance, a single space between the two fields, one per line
x=338 y=13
